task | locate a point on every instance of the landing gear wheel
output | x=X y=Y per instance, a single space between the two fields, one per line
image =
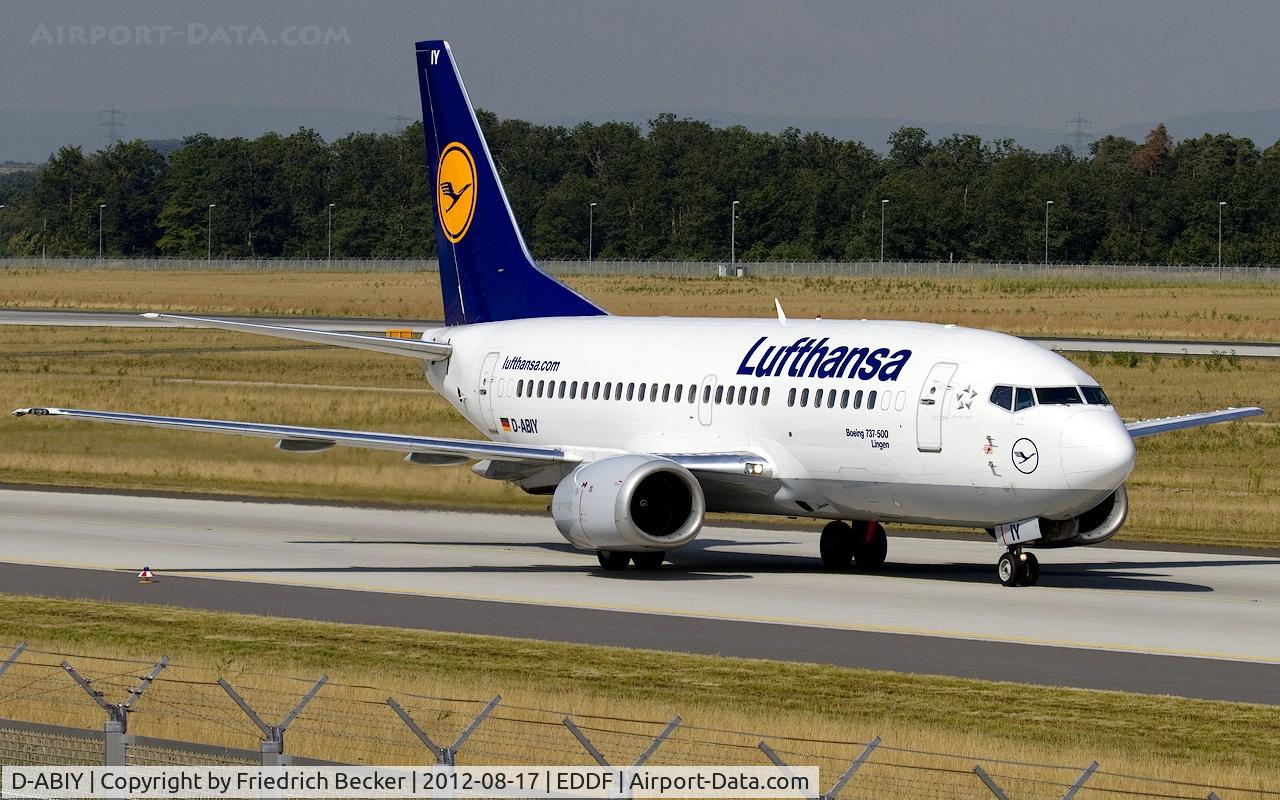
x=1009 y=568
x=836 y=545
x=1030 y=570
x=613 y=560
x=648 y=561
x=871 y=547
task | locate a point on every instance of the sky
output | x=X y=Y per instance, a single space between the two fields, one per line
x=1028 y=64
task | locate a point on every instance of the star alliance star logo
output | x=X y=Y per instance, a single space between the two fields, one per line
x=965 y=399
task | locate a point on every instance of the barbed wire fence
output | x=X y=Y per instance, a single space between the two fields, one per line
x=693 y=269
x=193 y=716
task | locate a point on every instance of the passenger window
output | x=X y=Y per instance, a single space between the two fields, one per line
x=1002 y=396
x=573 y=391
x=900 y=401
x=520 y=388
x=885 y=397
x=653 y=393
x=693 y=393
x=844 y=399
x=857 y=399
x=755 y=393
x=679 y=389
x=666 y=393
x=764 y=397
x=817 y=398
x=804 y=398
x=1058 y=396
x=742 y=395
x=871 y=400
x=831 y=399
x=644 y=387
x=617 y=391
x=706 y=393
x=540 y=385
x=595 y=391
x=631 y=391
x=791 y=397
x=728 y=399
x=1023 y=399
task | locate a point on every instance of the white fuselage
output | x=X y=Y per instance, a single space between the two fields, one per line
x=931 y=447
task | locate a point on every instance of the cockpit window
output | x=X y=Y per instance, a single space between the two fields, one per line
x=1094 y=396
x=1002 y=396
x=1058 y=396
x=1023 y=399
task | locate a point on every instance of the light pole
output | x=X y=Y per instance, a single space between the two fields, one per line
x=883 y=203
x=44 y=241
x=591 y=231
x=2 y=207
x=1047 y=203
x=208 y=242
x=733 y=233
x=100 y=207
x=1221 y=203
x=329 y=248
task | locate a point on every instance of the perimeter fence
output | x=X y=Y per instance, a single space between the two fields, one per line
x=693 y=269
x=63 y=709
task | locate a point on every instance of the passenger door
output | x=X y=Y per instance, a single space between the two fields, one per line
x=932 y=405
x=485 y=390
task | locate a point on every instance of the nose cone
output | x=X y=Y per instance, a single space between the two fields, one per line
x=1097 y=451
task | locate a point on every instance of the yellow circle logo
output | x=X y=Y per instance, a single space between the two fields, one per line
x=456 y=191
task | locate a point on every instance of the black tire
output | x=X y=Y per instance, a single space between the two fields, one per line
x=613 y=560
x=870 y=554
x=1030 y=570
x=1009 y=569
x=649 y=561
x=836 y=545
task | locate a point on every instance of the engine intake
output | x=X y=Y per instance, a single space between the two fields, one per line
x=1098 y=524
x=629 y=503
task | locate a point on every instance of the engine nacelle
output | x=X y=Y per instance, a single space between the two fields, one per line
x=1098 y=524
x=630 y=503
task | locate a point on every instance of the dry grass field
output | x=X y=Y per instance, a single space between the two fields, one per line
x=727 y=705
x=1034 y=306
x=1215 y=485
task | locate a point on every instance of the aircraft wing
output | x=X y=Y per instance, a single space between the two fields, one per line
x=436 y=450
x=1150 y=427
x=427 y=351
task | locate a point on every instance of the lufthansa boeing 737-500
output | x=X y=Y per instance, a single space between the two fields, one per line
x=639 y=426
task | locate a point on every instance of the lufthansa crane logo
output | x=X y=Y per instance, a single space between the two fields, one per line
x=456 y=191
x=1025 y=456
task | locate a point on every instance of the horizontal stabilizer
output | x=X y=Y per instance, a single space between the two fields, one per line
x=427 y=351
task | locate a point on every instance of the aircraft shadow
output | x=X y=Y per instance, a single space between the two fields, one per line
x=707 y=559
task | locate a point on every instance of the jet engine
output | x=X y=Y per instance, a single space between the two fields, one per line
x=629 y=503
x=1098 y=524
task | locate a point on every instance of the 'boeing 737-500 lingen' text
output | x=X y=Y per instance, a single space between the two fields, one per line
x=639 y=426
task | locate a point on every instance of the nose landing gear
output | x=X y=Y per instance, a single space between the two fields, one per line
x=1018 y=568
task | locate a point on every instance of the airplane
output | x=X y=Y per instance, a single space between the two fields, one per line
x=637 y=427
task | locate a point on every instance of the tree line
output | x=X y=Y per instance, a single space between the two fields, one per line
x=664 y=192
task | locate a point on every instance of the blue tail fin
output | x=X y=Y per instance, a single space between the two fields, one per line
x=486 y=272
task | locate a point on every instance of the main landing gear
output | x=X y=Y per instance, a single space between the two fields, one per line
x=1018 y=568
x=864 y=543
x=617 y=560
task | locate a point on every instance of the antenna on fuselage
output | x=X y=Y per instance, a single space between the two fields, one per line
x=782 y=317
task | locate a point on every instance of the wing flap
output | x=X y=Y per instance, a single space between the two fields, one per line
x=417 y=348
x=1150 y=427
x=302 y=439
